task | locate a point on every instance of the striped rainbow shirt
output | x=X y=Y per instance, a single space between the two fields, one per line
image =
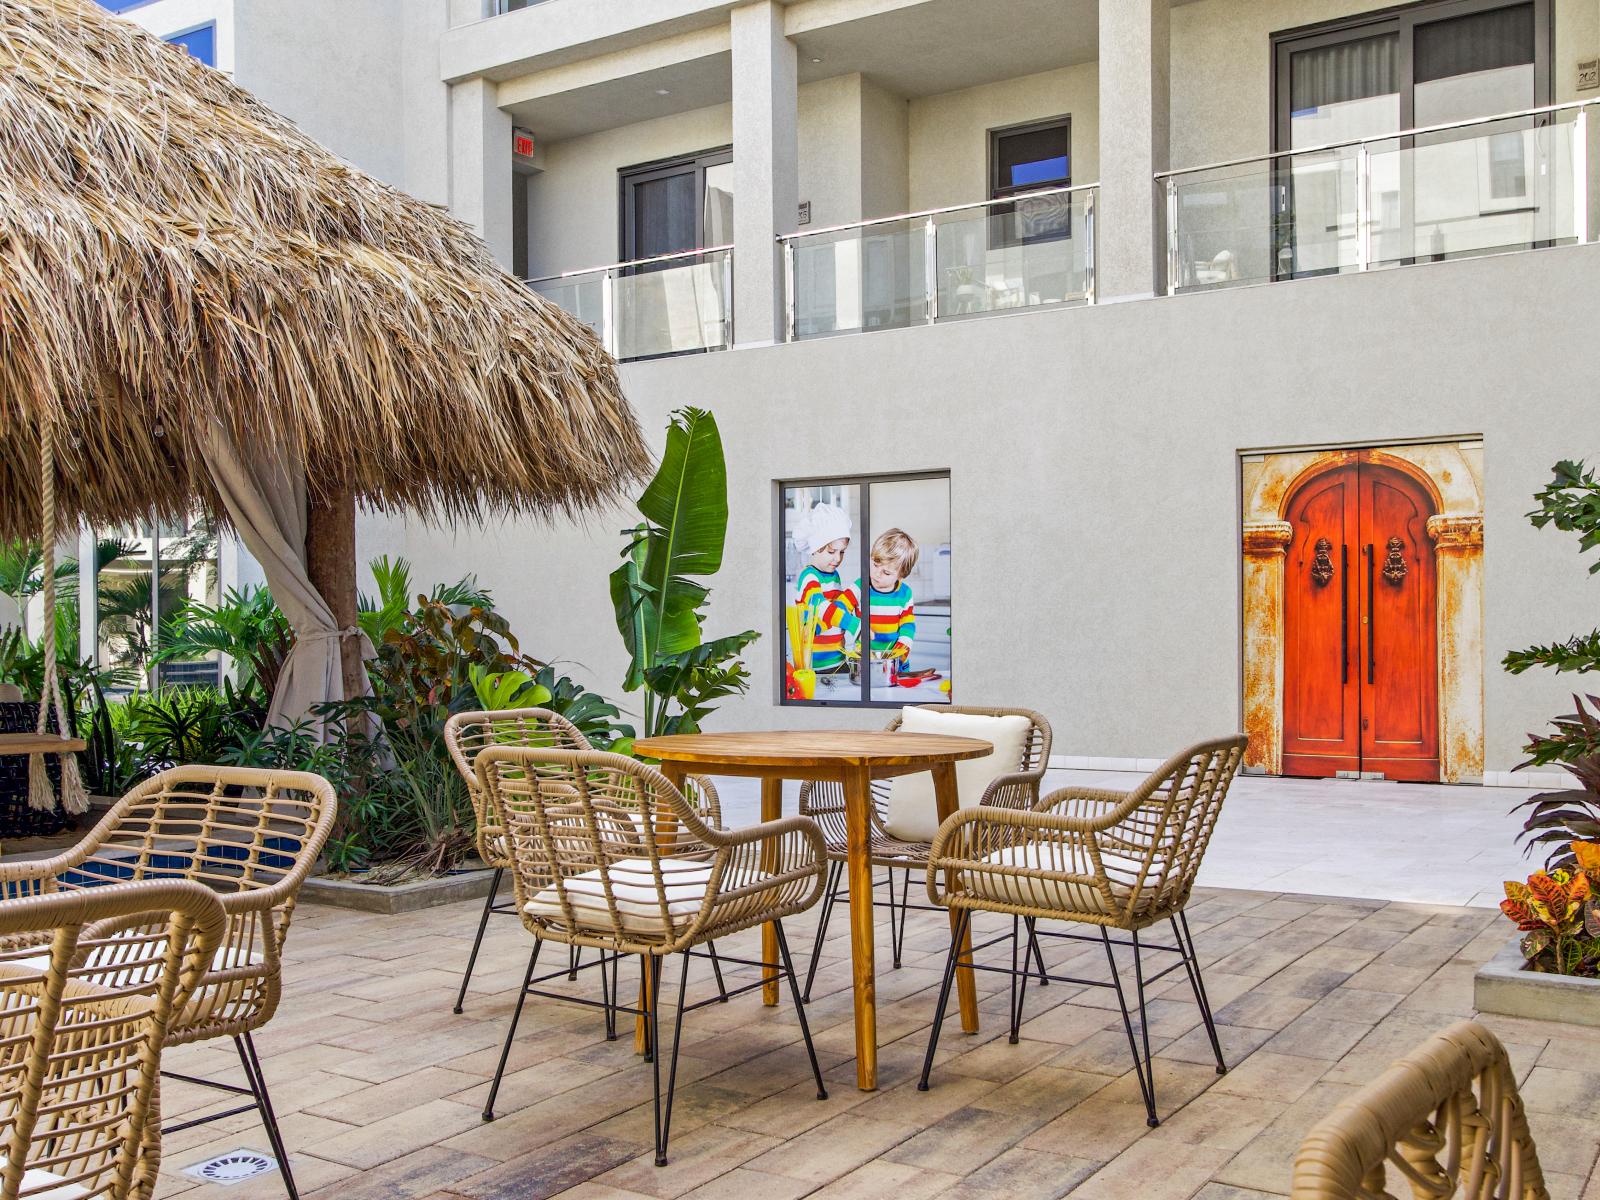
x=893 y=620
x=817 y=590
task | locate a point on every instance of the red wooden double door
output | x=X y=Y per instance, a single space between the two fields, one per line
x=1360 y=660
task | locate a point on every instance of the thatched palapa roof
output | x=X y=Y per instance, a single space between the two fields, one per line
x=171 y=251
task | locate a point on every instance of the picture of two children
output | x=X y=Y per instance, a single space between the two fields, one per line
x=829 y=622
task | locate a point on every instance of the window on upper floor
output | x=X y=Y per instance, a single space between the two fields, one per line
x=677 y=204
x=1035 y=157
x=1428 y=64
x=200 y=42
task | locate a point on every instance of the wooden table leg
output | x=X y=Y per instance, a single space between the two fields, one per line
x=771 y=810
x=858 y=868
x=944 y=792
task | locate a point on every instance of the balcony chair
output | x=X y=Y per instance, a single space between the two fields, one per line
x=81 y=1031
x=466 y=734
x=904 y=814
x=1118 y=861
x=250 y=835
x=606 y=852
x=1443 y=1121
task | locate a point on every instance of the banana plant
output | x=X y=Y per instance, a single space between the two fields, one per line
x=659 y=603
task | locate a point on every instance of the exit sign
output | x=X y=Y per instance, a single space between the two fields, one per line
x=522 y=142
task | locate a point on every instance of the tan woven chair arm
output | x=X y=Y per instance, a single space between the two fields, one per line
x=705 y=800
x=816 y=799
x=1091 y=810
x=1019 y=789
x=1061 y=855
x=761 y=873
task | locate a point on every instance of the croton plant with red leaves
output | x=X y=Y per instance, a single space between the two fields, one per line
x=1559 y=915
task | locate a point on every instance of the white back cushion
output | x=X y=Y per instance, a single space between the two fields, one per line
x=913 y=814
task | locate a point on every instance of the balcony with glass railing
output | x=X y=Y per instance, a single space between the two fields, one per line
x=942 y=264
x=1512 y=182
x=652 y=307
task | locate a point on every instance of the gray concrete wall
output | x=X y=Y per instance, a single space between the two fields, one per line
x=1093 y=456
x=332 y=69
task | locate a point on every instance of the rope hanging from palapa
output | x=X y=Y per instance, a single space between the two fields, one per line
x=40 y=795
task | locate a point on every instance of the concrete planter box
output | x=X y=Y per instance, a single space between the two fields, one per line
x=1503 y=986
x=399 y=897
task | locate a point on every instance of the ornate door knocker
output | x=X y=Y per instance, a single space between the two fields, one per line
x=1322 y=566
x=1394 y=566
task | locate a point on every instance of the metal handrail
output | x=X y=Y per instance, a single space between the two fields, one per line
x=936 y=212
x=1379 y=137
x=632 y=262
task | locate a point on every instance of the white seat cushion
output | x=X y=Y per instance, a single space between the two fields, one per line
x=913 y=814
x=633 y=888
x=222 y=960
x=1056 y=894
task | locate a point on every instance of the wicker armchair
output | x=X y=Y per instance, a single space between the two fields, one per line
x=1443 y=1121
x=1114 y=860
x=823 y=802
x=81 y=1031
x=250 y=835
x=606 y=852
x=468 y=734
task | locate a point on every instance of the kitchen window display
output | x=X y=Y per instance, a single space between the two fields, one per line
x=864 y=593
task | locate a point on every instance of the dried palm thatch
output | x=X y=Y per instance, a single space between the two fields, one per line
x=172 y=252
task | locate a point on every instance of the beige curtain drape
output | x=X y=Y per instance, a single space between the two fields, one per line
x=264 y=494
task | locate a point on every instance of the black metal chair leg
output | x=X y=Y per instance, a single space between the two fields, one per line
x=962 y=920
x=1191 y=964
x=511 y=1033
x=483 y=923
x=1146 y=1086
x=1033 y=948
x=716 y=969
x=251 y=1061
x=664 y=1114
x=835 y=871
x=905 y=899
x=574 y=960
x=1015 y=1019
x=649 y=993
x=799 y=1008
x=1144 y=1018
x=607 y=1000
x=894 y=928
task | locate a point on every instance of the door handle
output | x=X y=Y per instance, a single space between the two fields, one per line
x=1344 y=614
x=1372 y=629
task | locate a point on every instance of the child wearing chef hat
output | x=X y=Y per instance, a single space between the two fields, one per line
x=823 y=535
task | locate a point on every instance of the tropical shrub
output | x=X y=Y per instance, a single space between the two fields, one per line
x=247 y=626
x=1571 y=503
x=1558 y=913
x=659 y=607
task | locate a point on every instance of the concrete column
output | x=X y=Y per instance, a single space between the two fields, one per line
x=1134 y=109
x=480 y=164
x=1458 y=553
x=765 y=153
x=1266 y=545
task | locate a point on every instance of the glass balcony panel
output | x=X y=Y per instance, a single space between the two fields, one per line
x=1496 y=186
x=850 y=280
x=580 y=295
x=1017 y=255
x=675 y=308
x=1512 y=183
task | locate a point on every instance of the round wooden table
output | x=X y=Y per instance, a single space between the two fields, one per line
x=853 y=760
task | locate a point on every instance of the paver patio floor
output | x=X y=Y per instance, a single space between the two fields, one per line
x=379 y=1085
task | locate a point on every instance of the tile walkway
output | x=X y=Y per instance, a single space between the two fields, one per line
x=1441 y=843
x=379 y=1086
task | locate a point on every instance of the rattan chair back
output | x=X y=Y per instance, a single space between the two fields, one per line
x=467 y=734
x=250 y=835
x=1445 y=1120
x=1153 y=853
x=607 y=851
x=87 y=994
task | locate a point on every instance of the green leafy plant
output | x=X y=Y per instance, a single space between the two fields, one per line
x=1571 y=503
x=1558 y=913
x=390 y=608
x=247 y=626
x=595 y=717
x=659 y=605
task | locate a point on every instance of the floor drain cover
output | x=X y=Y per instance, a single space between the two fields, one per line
x=233 y=1167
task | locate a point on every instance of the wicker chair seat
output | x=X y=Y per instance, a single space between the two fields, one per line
x=642 y=907
x=1026 y=876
